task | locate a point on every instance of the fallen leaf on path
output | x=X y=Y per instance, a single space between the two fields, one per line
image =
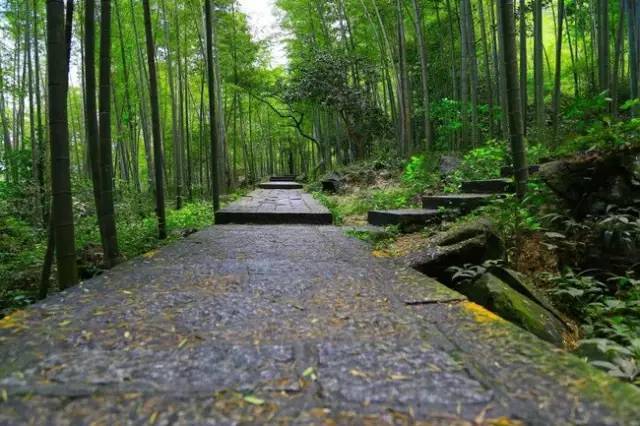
x=252 y=399
x=399 y=377
x=358 y=373
x=310 y=373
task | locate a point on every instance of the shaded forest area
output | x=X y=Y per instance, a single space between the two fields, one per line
x=126 y=124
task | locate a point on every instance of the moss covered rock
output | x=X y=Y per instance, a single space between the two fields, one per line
x=497 y=296
x=470 y=244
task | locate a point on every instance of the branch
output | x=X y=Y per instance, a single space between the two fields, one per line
x=297 y=122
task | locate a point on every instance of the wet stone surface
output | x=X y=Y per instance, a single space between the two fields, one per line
x=289 y=325
x=275 y=206
x=280 y=185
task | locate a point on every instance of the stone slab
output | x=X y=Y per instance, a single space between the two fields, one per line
x=402 y=217
x=269 y=207
x=465 y=202
x=489 y=186
x=288 y=178
x=280 y=185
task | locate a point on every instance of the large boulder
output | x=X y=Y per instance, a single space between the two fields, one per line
x=498 y=297
x=449 y=164
x=473 y=243
x=332 y=183
x=590 y=182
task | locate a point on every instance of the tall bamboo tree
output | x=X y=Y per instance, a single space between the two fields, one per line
x=107 y=213
x=516 y=136
x=424 y=74
x=57 y=73
x=155 y=123
x=213 y=134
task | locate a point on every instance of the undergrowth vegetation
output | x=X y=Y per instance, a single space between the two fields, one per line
x=373 y=185
x=22 y=246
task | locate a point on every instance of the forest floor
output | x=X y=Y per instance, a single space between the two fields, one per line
x=242 y=323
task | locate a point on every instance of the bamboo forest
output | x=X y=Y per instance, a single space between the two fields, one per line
x=320 y=212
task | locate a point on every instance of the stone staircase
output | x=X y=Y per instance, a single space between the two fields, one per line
x=284 y=178
x=281 y=182
x=280 y=185
x=280 y=201
x=474 y=195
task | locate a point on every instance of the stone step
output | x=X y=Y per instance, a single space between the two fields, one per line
x=280 y=185
x=272 y=218
x=464 y=202
x=275 y=207
x=288 y=178
x=490 y=186
x=403 y=217
x=507 y=171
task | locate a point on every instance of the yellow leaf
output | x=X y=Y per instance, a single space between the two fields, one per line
x=398 y=377
x=150 y=254
x=4 y=395
x=358 y=373
x=183 y=342
x=64 y=323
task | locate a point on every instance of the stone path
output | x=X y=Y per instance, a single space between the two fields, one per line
x=275 y=206
x=285 y=325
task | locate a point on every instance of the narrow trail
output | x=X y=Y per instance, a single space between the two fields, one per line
x=285 y=324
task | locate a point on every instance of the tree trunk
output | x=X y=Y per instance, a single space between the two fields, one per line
x=404 y=98
x=513 y=98
x=35 y=167
x=6 y=133
x=538 y=66
x=472 y=61
x=424 y=75
x=501 y=69
x=141 y=79
x=223 y=172
x=107 y=216
x=57 y=71
x=215 y=183
x=155 y=123
x=558 y=76
x=39 y=128
x=523 y=64
x=632 y=9
x=615 y=78
x=603 y=45
x=176 y=137
x=91 y=112
x=487 y=67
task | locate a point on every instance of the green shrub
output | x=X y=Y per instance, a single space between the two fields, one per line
x=610 y=316
x=605 y=136
x=485 y=162
x=421 y=171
